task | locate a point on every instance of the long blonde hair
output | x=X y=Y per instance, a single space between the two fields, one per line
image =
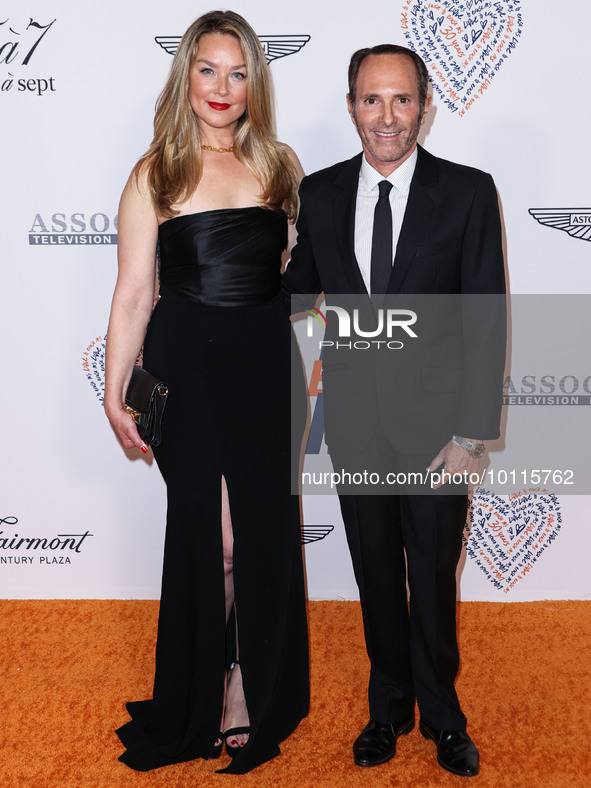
x=174 y=162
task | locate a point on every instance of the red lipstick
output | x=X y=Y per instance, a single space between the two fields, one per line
x=219 y=107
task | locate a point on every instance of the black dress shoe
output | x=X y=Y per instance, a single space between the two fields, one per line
x=376 y=743
x=456 y=751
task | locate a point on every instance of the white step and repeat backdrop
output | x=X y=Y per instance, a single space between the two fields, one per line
x=78 y=82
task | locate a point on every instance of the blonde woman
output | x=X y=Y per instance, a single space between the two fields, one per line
x=216 y=192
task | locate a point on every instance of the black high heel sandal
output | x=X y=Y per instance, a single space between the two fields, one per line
x=218 y=746
x=233 y=751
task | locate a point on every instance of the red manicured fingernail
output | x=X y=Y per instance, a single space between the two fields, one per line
x=144 y=449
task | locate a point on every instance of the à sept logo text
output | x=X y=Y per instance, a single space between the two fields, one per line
x=18 y=44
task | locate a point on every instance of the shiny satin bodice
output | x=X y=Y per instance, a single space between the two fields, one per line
x=225 y=257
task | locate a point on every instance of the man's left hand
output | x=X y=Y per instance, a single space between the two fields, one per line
x=454 y=460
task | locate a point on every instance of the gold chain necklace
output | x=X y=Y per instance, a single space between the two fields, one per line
x=218 y=150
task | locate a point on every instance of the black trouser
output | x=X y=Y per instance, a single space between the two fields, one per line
x=413 y=653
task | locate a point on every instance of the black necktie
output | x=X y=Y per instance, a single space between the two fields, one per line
x=381 y=241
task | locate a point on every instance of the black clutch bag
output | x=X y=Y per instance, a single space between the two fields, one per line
x=145 y=401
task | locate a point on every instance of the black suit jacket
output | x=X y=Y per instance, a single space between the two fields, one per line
x=449 y=247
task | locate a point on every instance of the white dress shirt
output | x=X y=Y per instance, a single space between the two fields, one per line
x=367 y=198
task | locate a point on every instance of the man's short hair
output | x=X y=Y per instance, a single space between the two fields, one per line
x=389 y=49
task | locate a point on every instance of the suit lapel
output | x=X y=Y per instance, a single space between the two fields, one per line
x=343 y=208
x=416 y=218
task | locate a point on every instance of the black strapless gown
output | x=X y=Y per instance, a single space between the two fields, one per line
x=220 y=336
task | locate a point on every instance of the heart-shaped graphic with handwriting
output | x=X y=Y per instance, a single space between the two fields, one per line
x=464 y=44
x=93 y=364
x=506 y=535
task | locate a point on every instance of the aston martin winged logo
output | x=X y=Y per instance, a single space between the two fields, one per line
x=273 y=46
x=169 y=44
x=314 y=533
x=281 y=46
x=574 y=221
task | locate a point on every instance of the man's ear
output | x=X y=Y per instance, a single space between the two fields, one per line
x=428 y=101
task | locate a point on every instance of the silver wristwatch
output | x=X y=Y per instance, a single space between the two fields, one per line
x=475 y=450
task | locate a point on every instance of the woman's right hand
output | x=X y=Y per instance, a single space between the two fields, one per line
x=125 y=428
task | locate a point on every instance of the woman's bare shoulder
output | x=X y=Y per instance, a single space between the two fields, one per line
x=136 y=200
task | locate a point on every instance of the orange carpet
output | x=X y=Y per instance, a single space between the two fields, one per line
x=69 y=666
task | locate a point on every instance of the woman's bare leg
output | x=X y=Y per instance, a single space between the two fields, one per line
x=235 y=711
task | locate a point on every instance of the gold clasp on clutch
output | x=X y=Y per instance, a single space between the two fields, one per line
x=135 y=414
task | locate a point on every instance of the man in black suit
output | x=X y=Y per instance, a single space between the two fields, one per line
x=437 y=226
